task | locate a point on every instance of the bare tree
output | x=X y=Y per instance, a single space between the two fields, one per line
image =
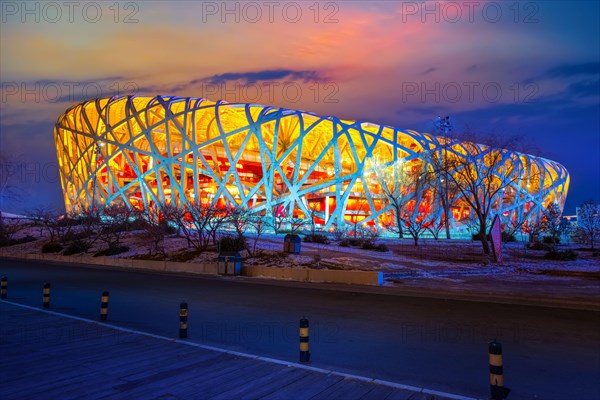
x=554 y=222
x=368 y=234
x=8 y=191
x=550 y=221
x=217 y=220
x=588 y=223
x=238 y=219
x=9 y=227
x=57 y=224
x=116 y=222
x=481 y=174
x=339 y=232
x=36 y=218
x=415 y=223
x=441 y=196
x=296 y=224
x=88 y=220
x=355 y=221
x=312 y=215
x=567 y=229
x=445 y=188
x=195 y=224
x=259 y=225
x=278 y=220
x=534 y=227
x=513 y=223
x=8 y=171
x=405 y=187
x=155 y=221
x=435 y=227
x=275 y=219
x=393 y=181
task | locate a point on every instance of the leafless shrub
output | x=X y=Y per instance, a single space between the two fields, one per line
x=56 y=224
x=117 y=220
x=9 y=227
x=259 y=225
x=588 y=224
x=155 y=223
x=339 y=232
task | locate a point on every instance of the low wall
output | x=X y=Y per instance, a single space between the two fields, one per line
x=316 y=275
x=293 y=274
x=170 y=266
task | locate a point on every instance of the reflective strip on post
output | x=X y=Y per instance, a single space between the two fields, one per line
x=3 y=287
x=497 y=389
x=46 y=293
x=183 y=320
x=304 y=350
x=104 y=306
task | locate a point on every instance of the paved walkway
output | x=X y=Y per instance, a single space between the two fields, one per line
x=48 y=355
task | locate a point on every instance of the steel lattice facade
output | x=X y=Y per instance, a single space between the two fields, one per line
x=145 y=151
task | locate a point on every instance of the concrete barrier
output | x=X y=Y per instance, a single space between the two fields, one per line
x=210 y=268
x=352 y=277
x=374 y=278
x=153 y=265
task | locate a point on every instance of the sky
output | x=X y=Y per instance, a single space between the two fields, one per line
x=529 y=69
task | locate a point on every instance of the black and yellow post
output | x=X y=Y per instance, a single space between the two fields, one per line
x=498 y=391
x=46 y=293
x=304 y=353
x=183 y=320
x=104 y=306
x=3 y=287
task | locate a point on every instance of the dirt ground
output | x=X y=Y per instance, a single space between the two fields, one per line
x=432 y=258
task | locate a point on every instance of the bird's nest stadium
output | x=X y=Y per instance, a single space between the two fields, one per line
x=150 y=151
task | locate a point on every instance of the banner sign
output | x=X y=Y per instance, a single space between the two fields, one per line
x=496 y=235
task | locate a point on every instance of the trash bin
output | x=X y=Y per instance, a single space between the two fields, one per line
x=291 y=244
x=229 y=263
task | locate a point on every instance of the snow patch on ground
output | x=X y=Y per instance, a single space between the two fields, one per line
x=403 y=263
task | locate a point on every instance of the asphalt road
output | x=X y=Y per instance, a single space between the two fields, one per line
x=438 y=344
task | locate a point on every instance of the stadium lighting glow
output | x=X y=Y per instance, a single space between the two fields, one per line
x=185 y=151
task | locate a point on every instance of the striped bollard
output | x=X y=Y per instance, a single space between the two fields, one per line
x=46 y=293
x=304 y=353
x=104 y=306
x=3 y=287
x=183 y=320
x=498 y=391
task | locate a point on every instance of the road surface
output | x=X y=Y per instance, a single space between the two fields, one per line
x=437 y=344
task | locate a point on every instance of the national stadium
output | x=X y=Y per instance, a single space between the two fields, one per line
x=150 y=151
